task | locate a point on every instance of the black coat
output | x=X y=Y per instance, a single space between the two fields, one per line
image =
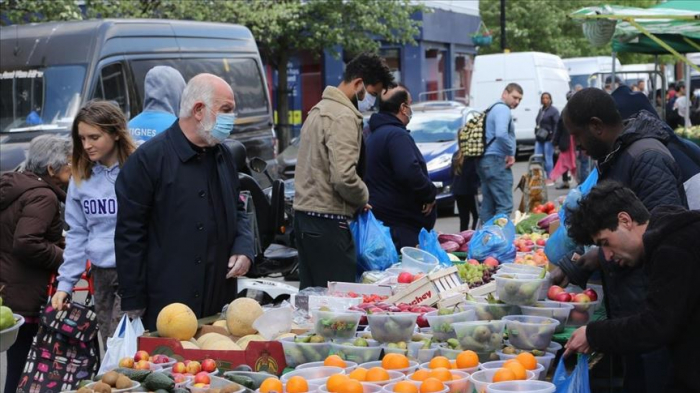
x=670 y=315
x=548 y=119
x=561 y=137
x=179 y=220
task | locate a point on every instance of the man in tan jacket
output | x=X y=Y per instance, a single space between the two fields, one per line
x=329 y=189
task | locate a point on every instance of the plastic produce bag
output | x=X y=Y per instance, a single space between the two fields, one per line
x=122 y=344
x=501 y=220
x=275 y=321
x=428 y=242
x=577 y=381
x=495 y=240
x=375 y=248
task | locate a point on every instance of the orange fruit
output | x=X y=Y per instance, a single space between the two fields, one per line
x=509 y=361
x=271 y=385
x=297 y=384
x=405 y=387
x=439 y=361
x=386 y=360
x=395 y=362
x=453 y=364
x=441 y=373
x=335 y=381
x=431 y=385
x=517 y=369
x=334 y=361
x=467 y=359
x=376 y=374
x=351 y=386
x=503 y=374
x=420 y=375
x=359 y=374
x=528 y=360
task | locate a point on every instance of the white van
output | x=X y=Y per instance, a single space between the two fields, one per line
x=536 y=72
x=585 y=71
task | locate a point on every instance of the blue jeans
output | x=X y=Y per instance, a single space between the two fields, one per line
x=546 y=149
x=582 y=162
x=496 y=186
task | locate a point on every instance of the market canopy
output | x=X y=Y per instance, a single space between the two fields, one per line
x=675 y=23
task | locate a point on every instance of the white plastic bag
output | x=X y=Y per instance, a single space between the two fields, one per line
x=123 y=344
x=274 y=321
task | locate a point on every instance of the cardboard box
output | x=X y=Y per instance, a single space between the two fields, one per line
x=259 y=355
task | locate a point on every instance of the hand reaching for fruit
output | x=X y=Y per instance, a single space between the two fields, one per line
x=577 y=343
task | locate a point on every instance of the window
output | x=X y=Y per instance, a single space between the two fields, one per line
x=112 y=87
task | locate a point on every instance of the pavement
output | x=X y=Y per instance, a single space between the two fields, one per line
x=446 y=224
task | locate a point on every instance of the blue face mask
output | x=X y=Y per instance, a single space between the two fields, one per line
x=223 y=126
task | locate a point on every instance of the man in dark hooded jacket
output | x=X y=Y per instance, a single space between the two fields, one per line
x=664 y=244
x=400 y=191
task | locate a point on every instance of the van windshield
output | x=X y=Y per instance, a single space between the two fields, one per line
x=40 y=98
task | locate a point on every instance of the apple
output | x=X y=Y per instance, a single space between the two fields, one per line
x=563 y=297
x=142 y=365
x=179 y=368
x=141 y=355
x=363 y=320
x=473 y=262
x=405 y=278
x=553 y=291
x=179 y=378
x=202 y=377
x=541 y=242
x=159 y=359
x=491 y=262
x=422 y=321
x=126 y=362
x=194 y=367
x=581 y=298
x=578 y=317
x=208 y=365
x=593 y=295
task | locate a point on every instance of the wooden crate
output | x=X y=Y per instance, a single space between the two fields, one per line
x=428 y=290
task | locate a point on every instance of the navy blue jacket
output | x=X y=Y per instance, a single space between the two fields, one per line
x=397 y=175
x=179 y=220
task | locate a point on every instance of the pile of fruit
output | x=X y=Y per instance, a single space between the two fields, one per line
x=537 y=258
x=7 y=319
x=378 y=308
x=516 y=369
x=476 y=274
x=458 y=242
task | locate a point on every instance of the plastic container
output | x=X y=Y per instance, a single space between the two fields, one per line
x=216 y=382
x=134 y=385
x=557 y=310
x=484 y=311
x=530 y=332
x=315 y=375
x=480 y=336
x=441 y=325
x=392 y=327
x=412 y=367
x=518 y=268
x=522 y=386
x=582 y=313
x=415 y=259
x=554 y=347
x=336 y=324
x=349 y=366
x=481 y=380
x=257 y=377
x=426 y=366
x=274 y=321
x=390 y=387
x=518 y=291
x=169 y=370
x=313 y=388
x=366 y=388
x=300 y=353
x=496 y=364
x=545 y=360
x=9 y=335
x=357 y=354
x=461 y=384
x=424 y=355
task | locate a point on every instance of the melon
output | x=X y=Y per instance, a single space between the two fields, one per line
x=285 y=335
x=188 y=345
x=205 y=338
x=221 y=345
x=221 y=323
x=243 y=341
x=177 y=321
x=240 y=316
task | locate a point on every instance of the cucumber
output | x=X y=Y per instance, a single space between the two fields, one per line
x=156 y=381
x=243 y=381
x=134 y=375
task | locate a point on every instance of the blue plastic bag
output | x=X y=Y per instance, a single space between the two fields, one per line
x=505 y=223
x=428 y=242
x=577 y=381
x=492 y=241
x=373 y=243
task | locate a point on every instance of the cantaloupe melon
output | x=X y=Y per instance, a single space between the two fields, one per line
x=205 y=338
x=176 y=320
x=222 y=345
x=188 y=345
x=240 y=316
x=244 y=341
x=221 y=323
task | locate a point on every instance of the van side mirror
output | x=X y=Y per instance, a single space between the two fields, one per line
x=258 y=164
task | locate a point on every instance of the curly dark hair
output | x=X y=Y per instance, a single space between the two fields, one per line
x=598 y=211
x=371 y=68
x=592 y=102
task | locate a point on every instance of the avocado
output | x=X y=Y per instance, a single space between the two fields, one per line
x=156 y=381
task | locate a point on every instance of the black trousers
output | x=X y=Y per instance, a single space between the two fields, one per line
x=17 y=355
x=326 y=250
x=467 y=206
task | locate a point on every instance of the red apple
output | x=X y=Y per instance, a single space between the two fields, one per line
x=563 y=297
x=422 y=321
x=581 y=298
x=591 y=294
x=540 y=242
x=491 y=262
x=578 y=317
x=553 y=291
x=179 y=378
x=159 y=359
x=473 y=262
x=405 y=278
x=126 y=362
x=208 y=365
x=141 y=355
x=142 y=365
x=202 y=377
x=180 y=368
x=194 y=367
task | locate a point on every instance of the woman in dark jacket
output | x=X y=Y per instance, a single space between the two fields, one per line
x=31 y=238
x=547 y=119
x=465 y=187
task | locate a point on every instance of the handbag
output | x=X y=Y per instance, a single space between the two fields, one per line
x=541 y=134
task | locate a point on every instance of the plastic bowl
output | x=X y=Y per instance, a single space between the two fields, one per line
x=582 y=313
x=315 y=375
x=134 y=385
x=300 y=353
x=517 y=268
x=349 y=366
x=530 y=332
x=415 y=259
x=496 y=364
x=518 y=291
x=366 y=388
x=460 y=385
x=392 y=327
x=441 y=325
x=357 y=354
x=390 y=387
x=336 y=324
x=480 y=336
x=485 y=311
x=554 y=347
x=412 y=367
x=424 y=355
x=216 y=382
x=313 y=388
x=483 y=379
x=257 y=377
x=9 y=335
x=522 y=386
x=426 y=366
x=557 y=310
x=545 y=360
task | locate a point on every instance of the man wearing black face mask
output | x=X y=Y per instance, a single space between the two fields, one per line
x=328 y=182
x=400 y=191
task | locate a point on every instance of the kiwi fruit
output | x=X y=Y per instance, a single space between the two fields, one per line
x=85 y=390
x=111 y=378
x=123 y=382
x=230 y=388
x=101 y=387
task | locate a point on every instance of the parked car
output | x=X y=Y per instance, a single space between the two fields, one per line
x=49 y=70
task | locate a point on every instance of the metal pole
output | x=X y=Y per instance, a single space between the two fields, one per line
x=612 y=77
x=688 y=93
x=503 y=25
